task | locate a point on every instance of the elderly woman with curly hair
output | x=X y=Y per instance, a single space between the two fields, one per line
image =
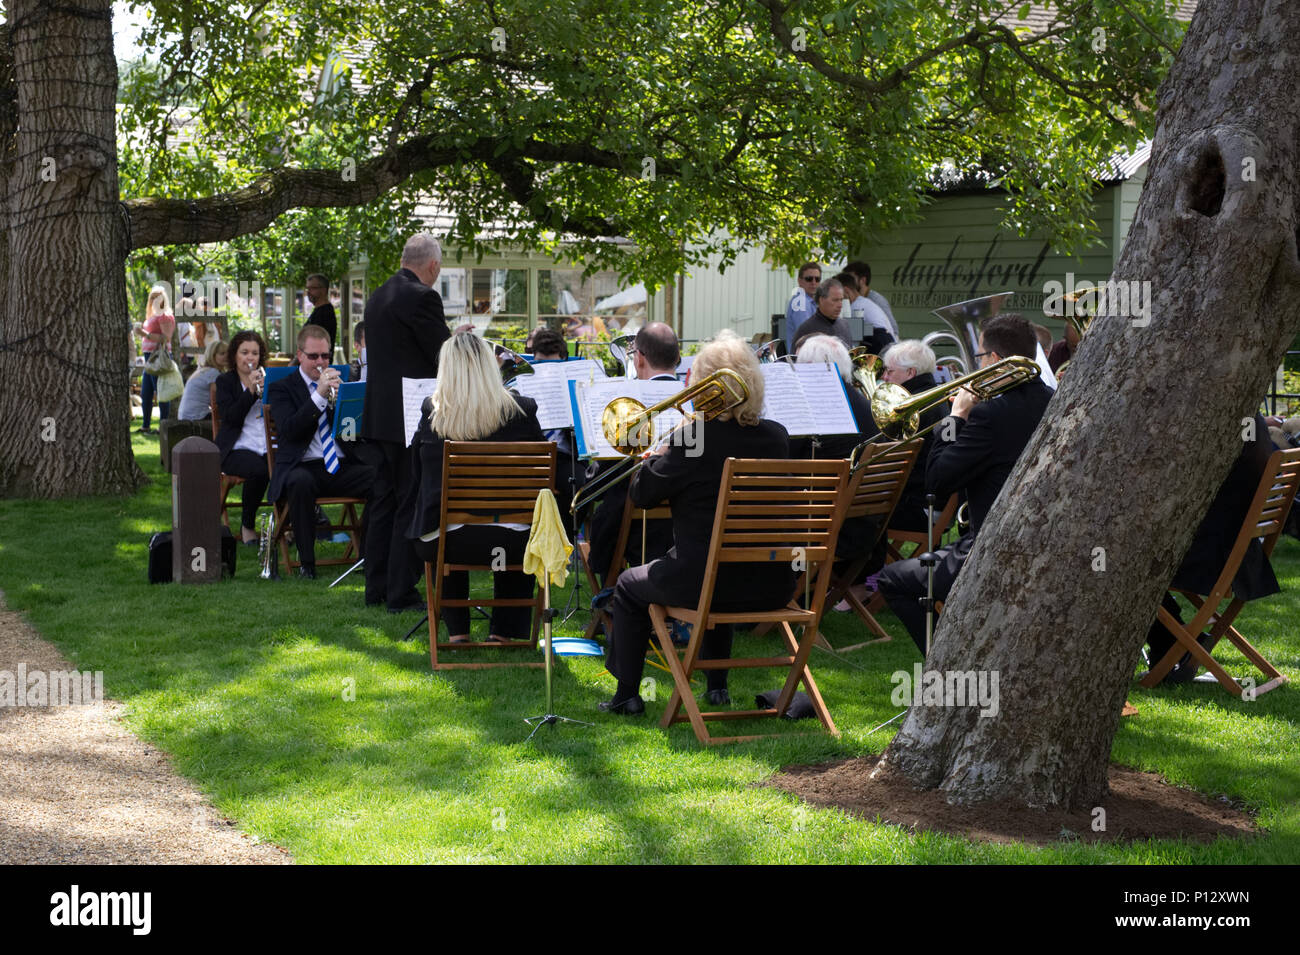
x=687 y=473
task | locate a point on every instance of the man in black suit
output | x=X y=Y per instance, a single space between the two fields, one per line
x=655 y=355
x=323 y=314
x=975 y=449
x=308 y=462
x=405 y=329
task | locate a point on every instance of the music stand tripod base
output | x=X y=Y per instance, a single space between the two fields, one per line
x=550 y=718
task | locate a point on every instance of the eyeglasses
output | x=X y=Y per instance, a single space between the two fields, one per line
x=316 y=356
x=981 y=354
x=810 y=278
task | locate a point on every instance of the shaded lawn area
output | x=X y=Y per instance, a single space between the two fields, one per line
x=244 y=684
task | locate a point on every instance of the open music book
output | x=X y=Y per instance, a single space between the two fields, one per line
x=548 y=385
x=587 y=404
x=414 y=391
x=807 y=398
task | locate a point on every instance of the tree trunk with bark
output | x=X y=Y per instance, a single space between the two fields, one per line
x=65 y=362
x=1067 y=574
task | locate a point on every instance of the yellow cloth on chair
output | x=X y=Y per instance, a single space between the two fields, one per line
x=548 y=547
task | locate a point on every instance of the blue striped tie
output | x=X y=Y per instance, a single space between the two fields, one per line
x=324 y=432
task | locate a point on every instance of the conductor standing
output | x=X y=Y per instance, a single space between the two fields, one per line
x=405 y=329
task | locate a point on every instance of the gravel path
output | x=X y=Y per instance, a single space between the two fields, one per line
x=77 y=787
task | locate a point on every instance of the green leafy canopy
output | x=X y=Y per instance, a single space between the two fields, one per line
x=687 y=127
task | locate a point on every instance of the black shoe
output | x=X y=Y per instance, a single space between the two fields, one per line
x=718 y=697
x=632 y=706
x=307 y=571
x=412 y=601
x=1183 y=672
x=376 y=601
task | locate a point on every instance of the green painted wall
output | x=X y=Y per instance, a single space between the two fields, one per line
x=958 y=251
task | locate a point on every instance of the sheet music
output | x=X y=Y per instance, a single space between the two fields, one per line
x=551 y=392
x=807 y=399
x=577 y=369
x=414 y=391
x=828 y=398
x=588 y=402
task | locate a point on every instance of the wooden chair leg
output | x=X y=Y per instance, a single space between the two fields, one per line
x=682 y=695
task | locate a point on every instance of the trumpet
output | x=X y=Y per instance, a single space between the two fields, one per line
x=257 y=374
x=331 y=386
x=627 y=422
x=266 y=548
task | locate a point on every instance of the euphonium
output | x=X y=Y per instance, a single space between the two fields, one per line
x=867 y=369
x=627 y=422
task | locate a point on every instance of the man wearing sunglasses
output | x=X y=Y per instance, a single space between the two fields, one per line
x=802 y=305
x=308 y=461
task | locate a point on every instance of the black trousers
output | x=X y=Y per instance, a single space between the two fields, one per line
x=475 y=544
x=250 y=466
x=308 y=481
x=395 y=568
x=903 y=584
x=605 y=522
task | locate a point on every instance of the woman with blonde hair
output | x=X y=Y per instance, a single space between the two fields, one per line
x=156 y=332
x=469 y=404
x=688 y=474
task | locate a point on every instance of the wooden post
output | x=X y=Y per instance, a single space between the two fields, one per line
x=196 y=516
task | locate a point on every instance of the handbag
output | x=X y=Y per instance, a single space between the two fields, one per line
x=170 y=383
x=158 y=361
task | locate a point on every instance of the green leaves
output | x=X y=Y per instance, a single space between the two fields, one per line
x=747 y=139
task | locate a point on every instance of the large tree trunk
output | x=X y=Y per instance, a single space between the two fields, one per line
x=65 y=324
x=1139 y=437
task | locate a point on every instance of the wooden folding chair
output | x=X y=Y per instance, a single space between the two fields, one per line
x=347 y=521
x=873 y=492
x=1265 y=519
x=767 y=511
x=487 y=482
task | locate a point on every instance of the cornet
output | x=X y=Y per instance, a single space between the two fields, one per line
x=627 y=423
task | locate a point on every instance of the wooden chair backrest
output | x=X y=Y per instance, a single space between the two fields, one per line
x=216 y=412
x=494 y=482
x=777 y=510
x=272 y=437
x=1273 y=500
x=878 y=485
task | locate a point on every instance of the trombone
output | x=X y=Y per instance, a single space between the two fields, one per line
x=627 y=423
x=898 y=414
x=512 y=363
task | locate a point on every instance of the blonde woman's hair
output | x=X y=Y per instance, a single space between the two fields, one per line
x=827 y=348
x=729 y=350
x=470 y=402
x=210 y=353
x=157 y=293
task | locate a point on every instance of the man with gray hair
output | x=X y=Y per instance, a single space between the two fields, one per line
x=829 y=299
x=405 y=329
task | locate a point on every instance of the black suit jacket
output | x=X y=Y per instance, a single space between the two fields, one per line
x=405 y=330
x=326 y=318
x=234 y=403
x=296 y=419
x=420 y=511
x=690 y=482
x=914 y=491
x=985 y=447
x=1218 y=530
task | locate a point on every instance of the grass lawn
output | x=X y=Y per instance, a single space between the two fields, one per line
x=243 y=683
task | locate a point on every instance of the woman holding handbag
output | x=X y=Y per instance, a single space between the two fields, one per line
x=156 y=332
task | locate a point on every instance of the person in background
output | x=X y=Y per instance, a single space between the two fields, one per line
x=863 y=271
x=357 y=367
x=242 y=437
x=877 y=334
x=549 y=346
x=156 y=331
x=801 y=306
x=829 y=349
x=194 y=401
x=826 y=320
x=322 y=314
